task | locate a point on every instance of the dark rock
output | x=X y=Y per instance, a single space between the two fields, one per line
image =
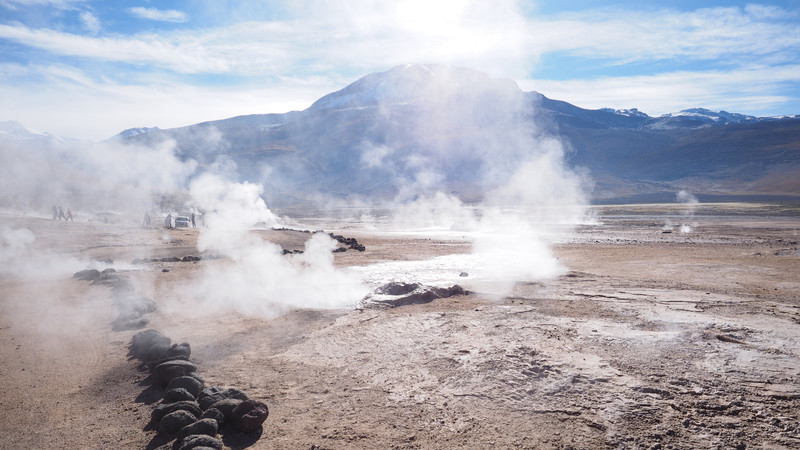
x=183 y=350
x=177 y=395
x=171 y=423
x=463 y=274
x=422 y=295
x=226 y=407
x=249 y=415
x=130 y=321
x=165 y=408
x=162 y=360
x=202 y=426
x=190 y=383
x=395 y=288
x=88 y=275
x=214 y=413
x=165 y=372
x=213 y=394
x=339 y=250
x=143 y=342
x=155 y=353
x=197 y=441
x=133 y=304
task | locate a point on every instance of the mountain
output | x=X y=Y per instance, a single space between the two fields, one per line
x=15 y=133
x=419 y=128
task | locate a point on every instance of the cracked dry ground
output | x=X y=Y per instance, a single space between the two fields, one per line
x=651 y=340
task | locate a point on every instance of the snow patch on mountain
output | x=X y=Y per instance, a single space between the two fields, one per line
x=130 y=132
x=633 y=112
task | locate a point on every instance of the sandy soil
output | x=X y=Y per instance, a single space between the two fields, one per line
x=651 y=340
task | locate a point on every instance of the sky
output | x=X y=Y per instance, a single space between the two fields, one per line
x=89 y=69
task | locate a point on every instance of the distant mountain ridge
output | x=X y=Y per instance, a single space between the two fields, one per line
x=461 y=131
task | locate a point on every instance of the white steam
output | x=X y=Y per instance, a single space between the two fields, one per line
x=690 y=201
x=255 y=278
x=21 y=256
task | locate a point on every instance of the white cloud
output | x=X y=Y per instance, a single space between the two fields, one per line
x=169 y=15
x=91 y=22
x=108 y=107
x=626 y=36
x=318 y=46
x=60 y=4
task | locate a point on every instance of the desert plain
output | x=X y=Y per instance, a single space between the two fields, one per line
x=651 y=337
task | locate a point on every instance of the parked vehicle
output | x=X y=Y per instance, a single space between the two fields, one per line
x=182 y=221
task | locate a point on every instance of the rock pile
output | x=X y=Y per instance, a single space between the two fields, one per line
x=189 y=412
x=396 y=294
x=131 y=307
x=188 y=258
x=351 y=243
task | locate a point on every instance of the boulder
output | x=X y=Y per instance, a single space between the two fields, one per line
x=88 y=275
x=172 y=423
x=202 y=426
x=129 y=321
x=213 y=394
x=215 y=414
x=249 y=415
x=144 y=342
x=165 y=408
x=226 y=407
x=190 y=383
x=177 y=395
x=134 y=304
x=165 y=372
x=197 y=441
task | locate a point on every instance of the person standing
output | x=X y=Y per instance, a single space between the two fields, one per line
x=69 y=215
x=55 y=212
x=61 y=214
x=168 y=221
x=193 y=225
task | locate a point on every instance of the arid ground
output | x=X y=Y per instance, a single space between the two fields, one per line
x=651 y=339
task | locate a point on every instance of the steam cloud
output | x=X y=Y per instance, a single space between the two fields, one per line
x=259 y=280
x=473 y=164
x=690 y=202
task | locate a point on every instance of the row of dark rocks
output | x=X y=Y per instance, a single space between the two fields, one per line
x=350 y=242
x=188 y=258
x=131 y=307
x=190 y=412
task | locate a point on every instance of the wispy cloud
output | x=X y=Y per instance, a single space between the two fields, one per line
x=659 y=60
x=91 y=22
x=169 y=15
x=108 y=106
x=61 y=4
x=626 y=36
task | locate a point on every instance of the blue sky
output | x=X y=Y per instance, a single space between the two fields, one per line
x=89 y=69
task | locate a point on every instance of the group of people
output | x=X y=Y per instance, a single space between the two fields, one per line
x=58 y=214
